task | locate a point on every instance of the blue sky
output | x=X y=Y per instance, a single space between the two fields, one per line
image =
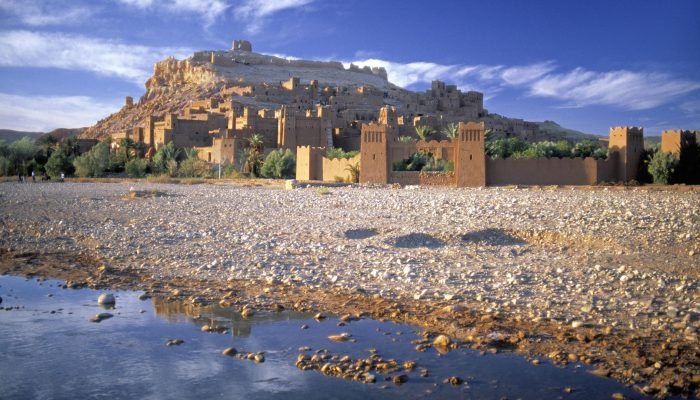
x=587 y=65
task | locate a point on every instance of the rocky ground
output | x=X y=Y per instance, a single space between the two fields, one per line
x=604 y=276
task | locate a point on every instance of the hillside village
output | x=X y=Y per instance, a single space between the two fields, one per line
x=309 y=118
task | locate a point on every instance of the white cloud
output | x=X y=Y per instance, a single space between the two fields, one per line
x=408 y=74
x=208 y=10
x=45 y=113
x=691 y=107
x=133 y=63
x=43 y=12
x=626 y=89
x=254 y=12
x=579 y=87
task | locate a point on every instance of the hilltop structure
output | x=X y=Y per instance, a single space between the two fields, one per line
x=311 y=106
x=353 y=95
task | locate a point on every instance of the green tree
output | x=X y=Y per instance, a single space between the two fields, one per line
x=424 y=131
x=45 y=145
x=279 y=164
x=22 y=151
x=585 y=148
x=662 y=166
x=165 y=157
x=451 y=131
x=504 y=148
x=545 y=149
x=95 y=162
x=253 y=157
x=57 y=163
x=191 y=153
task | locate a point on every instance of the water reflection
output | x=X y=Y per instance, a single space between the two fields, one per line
x=62 y=355
x=220 y=317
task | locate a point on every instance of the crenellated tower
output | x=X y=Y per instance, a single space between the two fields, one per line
x=625 y=149
x=470 y=159
x=374 y=149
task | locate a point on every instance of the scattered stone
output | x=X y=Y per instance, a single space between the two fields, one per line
x=229 y=351
x=101 y=317
x=144 y=296
x=106 y=299
x=601 y=372
x=443 y=341
x=343 y=337
x=453 y=380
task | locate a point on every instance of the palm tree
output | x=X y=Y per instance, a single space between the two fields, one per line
x=354 y=170
x=451 y=131
x=191 y=153
x=424 y=131
x=253 y=160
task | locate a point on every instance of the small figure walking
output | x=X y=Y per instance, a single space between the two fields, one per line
x=62 y=176
x=19 y=177
x=33 y=176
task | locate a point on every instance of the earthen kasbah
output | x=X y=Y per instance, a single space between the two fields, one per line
x=216 y=100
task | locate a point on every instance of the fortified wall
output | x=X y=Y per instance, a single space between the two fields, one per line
x=380 y=148
x=672 y=141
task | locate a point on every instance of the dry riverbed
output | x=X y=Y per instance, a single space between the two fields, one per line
x=606 y=277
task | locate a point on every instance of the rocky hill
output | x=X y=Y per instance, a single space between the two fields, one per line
x=255 y=79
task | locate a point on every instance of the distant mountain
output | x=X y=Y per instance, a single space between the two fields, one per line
x=556 y=130
x=10 y=136
x=62 y=133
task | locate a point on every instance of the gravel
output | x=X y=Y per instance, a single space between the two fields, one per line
x=597 y=257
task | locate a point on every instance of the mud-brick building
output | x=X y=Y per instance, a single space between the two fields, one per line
x=380 y=148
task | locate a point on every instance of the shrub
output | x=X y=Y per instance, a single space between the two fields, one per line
x=136 y=168
x=661 y=167
x=406 y=139
x=337 y=152
x=449 y=166
x=279 y=164
x=193 y=168
x=230 y=171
